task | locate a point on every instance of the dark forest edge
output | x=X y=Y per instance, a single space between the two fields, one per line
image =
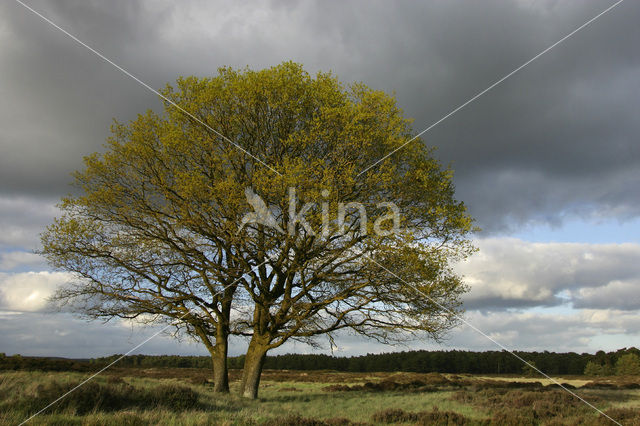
x=458 y=362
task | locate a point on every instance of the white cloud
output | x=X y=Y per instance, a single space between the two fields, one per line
x=556 y=329
x=28 y=291
x=505 y=274
x=509 y=272
x=38 y=334
x=621 y=294
x=578 y=331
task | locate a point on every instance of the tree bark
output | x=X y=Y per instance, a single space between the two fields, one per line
x=220 y=370
x=253 y=363
x=218 y=358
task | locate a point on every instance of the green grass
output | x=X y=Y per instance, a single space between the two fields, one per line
x=171 y=397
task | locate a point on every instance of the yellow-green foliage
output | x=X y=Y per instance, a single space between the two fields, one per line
x=595 y=369
x=628 y=365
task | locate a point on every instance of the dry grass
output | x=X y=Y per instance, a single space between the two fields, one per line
x=573 y=381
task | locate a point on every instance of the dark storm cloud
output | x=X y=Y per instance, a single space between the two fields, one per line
x=557 y=138
x=58 y=100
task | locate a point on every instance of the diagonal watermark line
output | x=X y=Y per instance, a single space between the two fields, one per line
x=145 y=85
x=461 y=318
x=498 y=82
x=102 y=370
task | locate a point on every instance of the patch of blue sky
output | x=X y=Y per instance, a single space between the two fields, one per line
x=583 y=231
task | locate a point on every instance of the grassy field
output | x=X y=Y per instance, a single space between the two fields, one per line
x=185 y=397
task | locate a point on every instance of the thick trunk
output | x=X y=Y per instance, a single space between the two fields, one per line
x=253 y=363
x=218 y=359
x=220 y=371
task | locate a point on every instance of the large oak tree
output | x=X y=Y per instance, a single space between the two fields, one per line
x=158 y=230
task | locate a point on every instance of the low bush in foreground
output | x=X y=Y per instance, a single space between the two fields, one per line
x=434 y=417
x=94 y=396
x=296 y=420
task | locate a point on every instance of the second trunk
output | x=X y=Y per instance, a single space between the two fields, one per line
x=253 y=363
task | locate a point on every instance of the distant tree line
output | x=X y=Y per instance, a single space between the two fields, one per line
x=623 y=361
x=19 y=362
x=627 y=364
x=490 y=362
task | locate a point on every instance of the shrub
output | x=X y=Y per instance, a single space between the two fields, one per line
x=93 y=396
x=199 y=380
x=628 y=365
x=529 y=369
x=89 y=397
x=394 y=415
x=435 y=379
x=341 y=421
x=294 y=420
x=435 y=417
x=173 y=397
x=464 y=397
x=444 y=418
x=513 y=418
x=527 y=406
x=595 y=369
x=385 y=385
x=627 y=416
x=115 y=380
x=598 y=385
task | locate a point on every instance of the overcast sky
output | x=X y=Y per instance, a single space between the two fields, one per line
x=548 y=162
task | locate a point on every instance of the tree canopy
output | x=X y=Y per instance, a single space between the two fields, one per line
x=270 y=232
x=628 y=365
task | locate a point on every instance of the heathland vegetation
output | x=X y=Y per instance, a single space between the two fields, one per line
x=185 y=396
